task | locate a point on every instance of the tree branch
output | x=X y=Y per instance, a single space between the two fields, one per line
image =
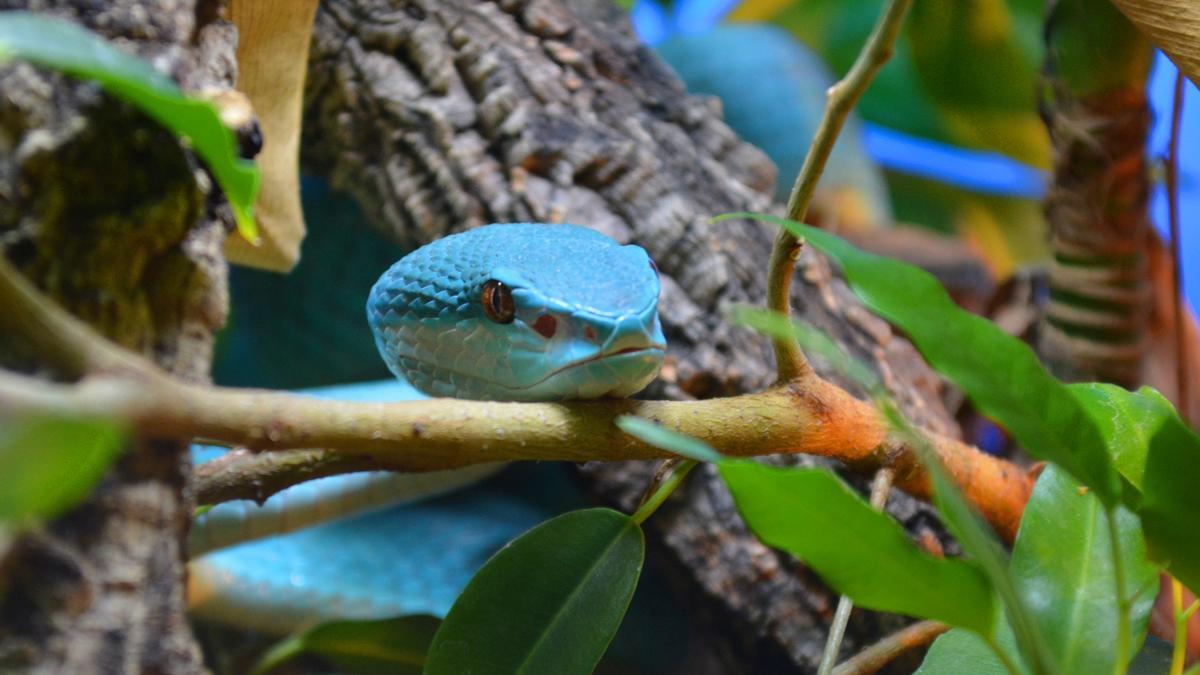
x=842 y=97
x=804 y=416
x=242 y=474
x=878 y=655
x=812 y=416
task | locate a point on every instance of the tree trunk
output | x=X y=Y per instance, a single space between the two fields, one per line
x=443 y=115
x=109 y=215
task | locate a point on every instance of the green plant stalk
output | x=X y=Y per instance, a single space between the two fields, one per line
x=1121 y=662
x=988 y=556
x=842 y=98
x=279 y=653
x=664 y=489
x=1001 y=655
x=880 y=488
x=1182 y=616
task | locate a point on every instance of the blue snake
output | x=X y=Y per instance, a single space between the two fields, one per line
x=368 y=566
x=521 y=311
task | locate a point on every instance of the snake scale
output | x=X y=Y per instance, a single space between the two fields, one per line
x=520 y=311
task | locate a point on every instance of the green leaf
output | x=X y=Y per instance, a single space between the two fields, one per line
x=1000 y=374
x=1063 y=565
x=1170 y=508
x=1157 y=453
x=64 y=46
x=673 y=441
x=385 y=646
x=857 y=550
x=49 y=464
x=549 y=602
x=959 y=652
x=978 y=540
x=976 y=537
x=1127 y=421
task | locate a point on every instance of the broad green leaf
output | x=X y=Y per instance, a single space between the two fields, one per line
x=978 y=540
x=549 y=602
x=64 y=46
x=1127 y=421
x=976 y=537
x=661 y=437
x=959 y=652
x=392 y=646
x=1158 y=454
x=857 y=550
x=1063 y=566
x=1000 y=373
x=1170 y=508
x=48 y=464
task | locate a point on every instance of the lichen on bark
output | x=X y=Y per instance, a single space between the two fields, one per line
x=114 y=219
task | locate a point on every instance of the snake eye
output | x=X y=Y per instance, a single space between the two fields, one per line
x=497 y=302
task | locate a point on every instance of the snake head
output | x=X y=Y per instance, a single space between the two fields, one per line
x=521 y=311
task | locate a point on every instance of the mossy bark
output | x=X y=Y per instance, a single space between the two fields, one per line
x=114 y=219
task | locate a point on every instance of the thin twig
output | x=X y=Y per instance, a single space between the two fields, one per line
x=1172 y=179
x=664 y=471
x=881 y=487
x=663 y=488
x=241 y=474
x=886 y=650
x=841 y=99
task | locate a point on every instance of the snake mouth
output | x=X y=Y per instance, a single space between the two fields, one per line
x=651 y=349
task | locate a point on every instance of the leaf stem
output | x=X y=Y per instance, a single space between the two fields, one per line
x=663 y=489
x=841 y=99
x=880 y=488
x=279 y=653
x=1121 y=663
x=1182 y=616
x=1001 y=655
x=1172 y=181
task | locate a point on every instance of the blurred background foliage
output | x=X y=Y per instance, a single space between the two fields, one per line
x=952 y=120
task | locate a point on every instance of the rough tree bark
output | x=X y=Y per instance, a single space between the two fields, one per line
x=442 y=115
x=108 y=214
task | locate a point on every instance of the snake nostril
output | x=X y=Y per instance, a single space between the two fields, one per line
x=546 y=326
x=590 y=334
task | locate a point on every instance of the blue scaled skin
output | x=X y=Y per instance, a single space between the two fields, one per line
x=582 y=321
